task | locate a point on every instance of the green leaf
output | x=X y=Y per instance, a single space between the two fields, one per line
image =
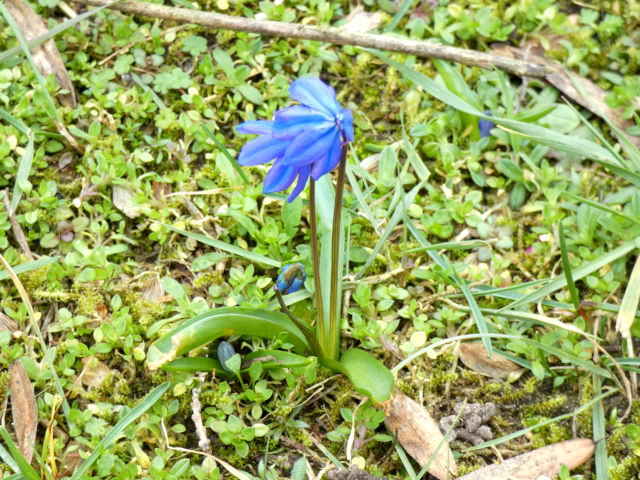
x=368 y=375
x=195 y=364
x=222 y=322
x=224 y=61
x=195 y=45
x=278 y=358
x=207 y=260
x=251 y=93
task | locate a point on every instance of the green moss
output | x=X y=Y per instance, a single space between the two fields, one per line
x=547 y=406
x=529 y=387
x=4 y=385
x=584 y=420
x=627 y=469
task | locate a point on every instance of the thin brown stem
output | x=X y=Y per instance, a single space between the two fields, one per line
x=315 y=257
x=336 y=36
x=334 y=320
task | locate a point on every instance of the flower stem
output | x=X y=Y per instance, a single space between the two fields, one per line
x=316 y=265
x=334 y=320
x=304 y=328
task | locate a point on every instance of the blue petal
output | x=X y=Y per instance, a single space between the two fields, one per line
x=303 y=176
x=261 y=150
x=279 y=178
x=292 y=121
x=257 y=127
x=314 y=93
x=309 y=146
x=347 y=123
x=330 y=160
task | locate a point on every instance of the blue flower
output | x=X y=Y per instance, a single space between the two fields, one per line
x=291 y=278
x=302 y=140
x=485 y=126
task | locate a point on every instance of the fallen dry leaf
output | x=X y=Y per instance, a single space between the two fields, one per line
x=545 y=461
x=419 y=435
x=360 y=21
x=94 y=372
x=6 y=324
x=475 y=356
x=23 y=409
x=46 y=55
x=594 y=100
x=152 y=291
x=124 y=199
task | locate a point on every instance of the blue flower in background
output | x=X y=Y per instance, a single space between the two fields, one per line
x=291 y=278
x=485 y=126
x=302 y=140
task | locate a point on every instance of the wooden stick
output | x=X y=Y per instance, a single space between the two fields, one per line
x=336 y=36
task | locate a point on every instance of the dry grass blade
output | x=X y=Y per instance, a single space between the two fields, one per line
x=45 y=56
x=23 y=408
x=543 y=462
x=419 y=435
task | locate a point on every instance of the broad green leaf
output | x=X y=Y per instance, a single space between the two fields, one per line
x=195 y=364
x=368 y=375
x=222 y=322
x=325 y=199
x=278 y=358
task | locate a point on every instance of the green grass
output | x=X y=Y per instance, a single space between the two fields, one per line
x=526 y=240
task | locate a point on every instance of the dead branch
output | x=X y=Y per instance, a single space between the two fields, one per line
x=336 y=36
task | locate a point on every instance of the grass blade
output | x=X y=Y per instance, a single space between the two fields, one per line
x=11 y=120
x=23 y=45
x=600 y=435
x=455 y=279
x=600 y=206
x=393 y=221
x=118 y=428
x=226 y=153
x=558 y=141
x=22 y=176
x=399 y=14
x=226 y=247
x=28 y=266
x=629 y=305
x=580 y=272
x=61 y=27
x=566 y=268
x=23 y=466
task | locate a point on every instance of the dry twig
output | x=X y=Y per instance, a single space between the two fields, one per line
x=336 y=36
